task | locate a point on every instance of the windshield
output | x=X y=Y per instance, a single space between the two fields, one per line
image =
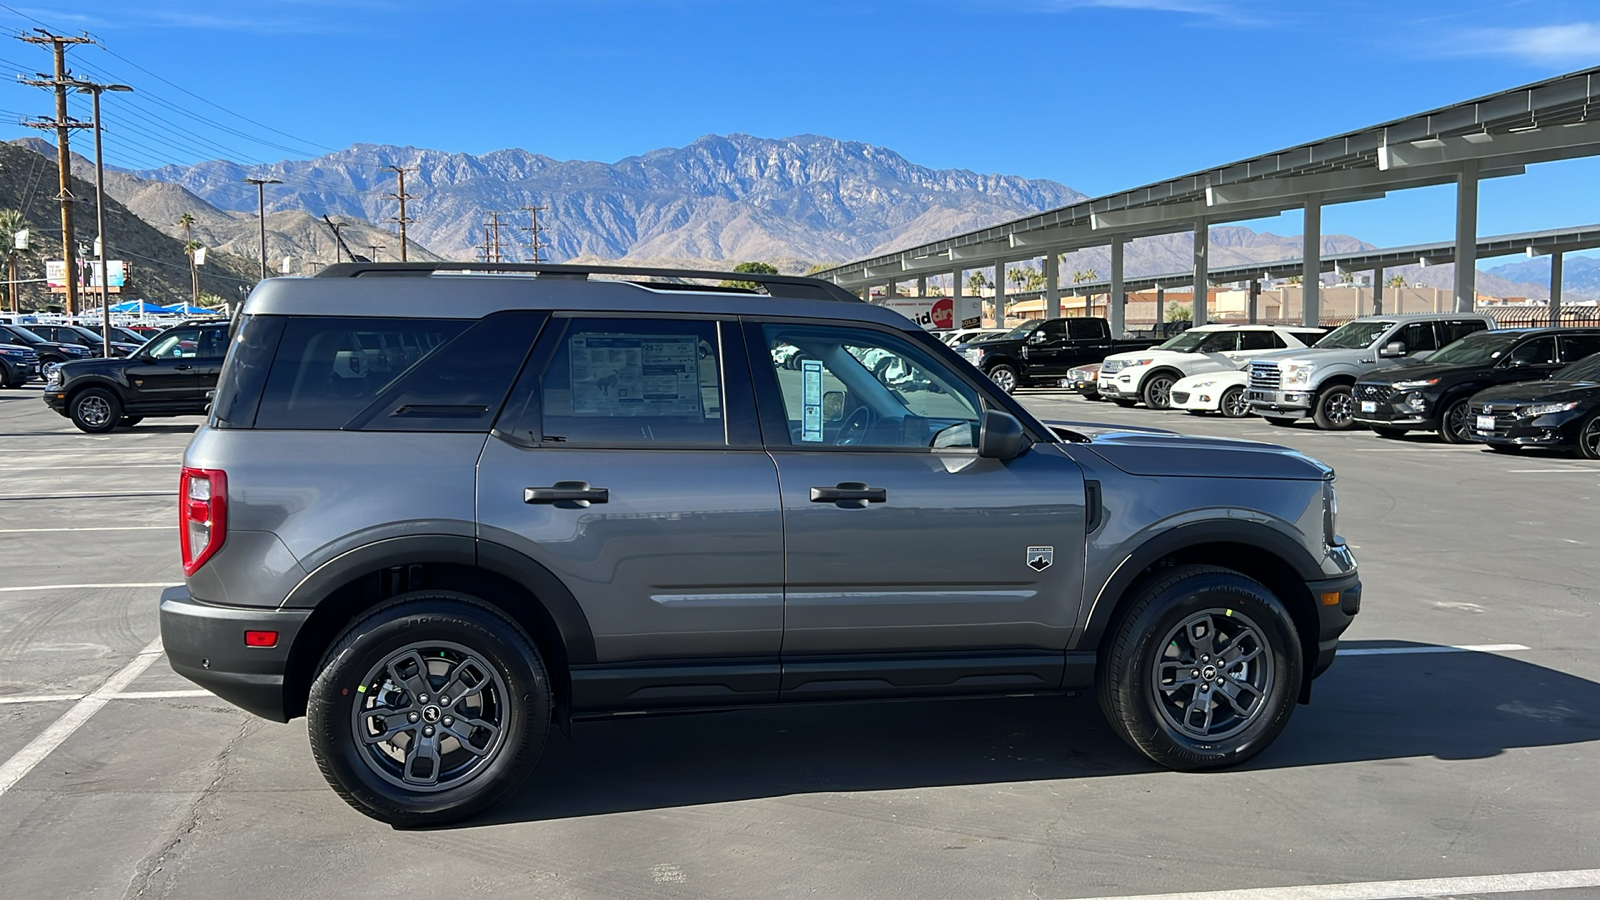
x=1186 y=342
x=123 y=334
x=1583 y=370
x=1023 y=330
x=25 y=335
x=1354 y=335
x=1478 y=348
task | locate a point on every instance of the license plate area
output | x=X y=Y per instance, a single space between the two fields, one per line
x=1486 y=423
x=1369 y=406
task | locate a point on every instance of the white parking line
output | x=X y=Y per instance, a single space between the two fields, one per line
x=53 y=467
x=89 y=528
x=1396 y=890
x=91 y=495
x=1418 y=450
x=13 y=770
x=21 y=699
x=74 y=587
x=1580 y=470
x=1433 y=648
x=38 y=698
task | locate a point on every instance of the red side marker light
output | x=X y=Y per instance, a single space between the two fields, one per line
x=261 y=639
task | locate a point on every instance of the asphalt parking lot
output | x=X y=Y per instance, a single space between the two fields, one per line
x=1416 y=760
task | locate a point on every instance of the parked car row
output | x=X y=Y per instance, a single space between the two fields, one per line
x=170 y=375
x=1450 y=373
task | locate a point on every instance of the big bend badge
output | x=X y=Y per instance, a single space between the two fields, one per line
x=1040 y=558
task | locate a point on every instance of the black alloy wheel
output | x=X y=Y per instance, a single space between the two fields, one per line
x=1202 y=670
x=1336 y=409
x=1453 y=428
x=95 y=410
x=432 y=708
x=1158 y=390
x=1233 y=403
x=1589 y=438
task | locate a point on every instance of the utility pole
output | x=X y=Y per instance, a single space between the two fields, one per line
x=534 y=231
x=491 y=238
x=89 y=87
x=401 y=195
x=337 y=243
x=63 y=126
x=261 y=214
x=375 y=248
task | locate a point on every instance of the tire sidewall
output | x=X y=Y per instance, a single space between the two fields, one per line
x=1324 y=400
x=1445 y=432
x=433 y=616
x=112 y=420
x=1015 y=379
x=1152 y=621
x=1579 y=448
x=1149 y=390
x=1222 y=404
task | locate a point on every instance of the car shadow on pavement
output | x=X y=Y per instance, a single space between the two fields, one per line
x=1460 y=705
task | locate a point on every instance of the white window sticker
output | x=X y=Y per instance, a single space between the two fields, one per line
x=635 y=375
x=811 y=400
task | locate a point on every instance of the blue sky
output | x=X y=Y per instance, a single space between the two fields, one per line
x=1098 y=94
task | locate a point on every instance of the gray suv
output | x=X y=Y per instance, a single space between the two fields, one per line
x=443 y=512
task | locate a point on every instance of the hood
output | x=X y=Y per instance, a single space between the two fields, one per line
x=96 y=364
x=1539 y=392
x=1416 y=370
x=1154 y=453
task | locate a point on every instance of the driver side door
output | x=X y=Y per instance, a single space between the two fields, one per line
x=163 y=373
x=911 y=564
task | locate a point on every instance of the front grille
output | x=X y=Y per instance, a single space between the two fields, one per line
x=1265 y=376
x=1367 y=390
x=1504 y=416
x=1111 y=366
x=1180 y=397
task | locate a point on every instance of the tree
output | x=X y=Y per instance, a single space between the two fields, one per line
x=11 y=222
x=753 y=268
x=1079 y=276
x=817 y=267
x=1347 y=278
x=1295 y=279
x=977 y=283
x=1179 y=312
x=1397 y=282
x=190 y=245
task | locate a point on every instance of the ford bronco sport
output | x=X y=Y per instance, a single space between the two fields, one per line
x=445 y=509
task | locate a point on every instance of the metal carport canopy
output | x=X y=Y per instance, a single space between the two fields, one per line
x=1500 y=134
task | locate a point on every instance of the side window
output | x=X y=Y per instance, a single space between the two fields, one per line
x=1219 y=342
x=859 y=388
x=213 y=343
x=1083 y=329
x=1418 y=337
x=1452 y=331
x=181 y=343
x=1260 y=340
x=634 y=382
x=1578 y=346
x=1537 y=352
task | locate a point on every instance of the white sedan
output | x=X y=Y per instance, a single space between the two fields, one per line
x=1213 y=392
x=1147 y=376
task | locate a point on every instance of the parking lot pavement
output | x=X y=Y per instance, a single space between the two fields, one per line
x=1416 y=760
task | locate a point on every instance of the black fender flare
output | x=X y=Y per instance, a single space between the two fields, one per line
x=1160 y=546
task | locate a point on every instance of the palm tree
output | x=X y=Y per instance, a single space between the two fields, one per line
x=1079 y=277
x=11 y=222
x=194 y=271
x=1397 y=282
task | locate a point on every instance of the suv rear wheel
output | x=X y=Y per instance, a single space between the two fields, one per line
x=1005 y=377
x=1203 y=669
x=96 y=410
x=1335 y=409
x=432 y=708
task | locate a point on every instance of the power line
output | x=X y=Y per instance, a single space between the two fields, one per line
x=63 y=125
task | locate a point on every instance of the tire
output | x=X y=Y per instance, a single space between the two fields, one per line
x=1125 y=404
x=1589 y=438
x=1157 y=391
x=1279 y=421
x=1335 y=409
x=130 y=421
x=8 y=379
x=1233 y=404
x=1453 y=423
x=1004 y=375
x=1157 y=707
x=1390 y=433
x=453 y=636
x=95 y=410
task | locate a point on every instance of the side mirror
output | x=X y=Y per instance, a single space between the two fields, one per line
x=1000 y=436
x=1393 y=350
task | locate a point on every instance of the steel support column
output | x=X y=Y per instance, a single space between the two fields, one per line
x=1467 y=237
x=1117 y=300
x=999 y=294
x=1377 y=291
x=1161 y=308
x=1202 y=271
x=1311 y=273
x=1052 y=285
x=1555 y=288
x=922 y=285
x=1255 y=297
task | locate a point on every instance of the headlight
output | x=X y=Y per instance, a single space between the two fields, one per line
x=973 y=354
x=1140 y=362
x=1412 y=385
x=1298 y=373
x=8 y=352
x=1545 y=409
x=1330 y=512
x=53 y=378
x=1202 y=384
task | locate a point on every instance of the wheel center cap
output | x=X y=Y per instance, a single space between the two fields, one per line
x=430 y=713
x=1208 y=673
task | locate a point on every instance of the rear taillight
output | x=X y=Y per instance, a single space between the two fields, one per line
x=202 y=515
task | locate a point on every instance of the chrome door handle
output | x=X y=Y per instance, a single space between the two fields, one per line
x=849 y=495
x=577 y=493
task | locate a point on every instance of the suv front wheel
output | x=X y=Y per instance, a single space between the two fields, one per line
x=1203 y=669
x=430 y=709
x=96 y=411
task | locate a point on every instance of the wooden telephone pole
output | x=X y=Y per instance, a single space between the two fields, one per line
x=534 y=244
x=491 y=239
x=63 y=125
x=401 y=195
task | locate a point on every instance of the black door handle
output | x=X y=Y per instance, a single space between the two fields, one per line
x=183 y=368
x=849 y=495
x=567 y=494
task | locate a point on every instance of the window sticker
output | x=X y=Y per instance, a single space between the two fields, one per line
x=811 y=400
x=635 y=375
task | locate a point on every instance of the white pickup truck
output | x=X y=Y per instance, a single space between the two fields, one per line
x=1148 y=375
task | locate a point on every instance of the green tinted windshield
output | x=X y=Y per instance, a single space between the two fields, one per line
x=1479 y=348
x=1354 y=335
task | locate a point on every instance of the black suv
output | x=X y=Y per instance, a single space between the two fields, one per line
x=1042 y=348
x=170 y=376
x=83 y=337
x=1434 y=395
x=51 y=353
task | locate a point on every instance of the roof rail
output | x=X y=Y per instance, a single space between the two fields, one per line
x=794 y=287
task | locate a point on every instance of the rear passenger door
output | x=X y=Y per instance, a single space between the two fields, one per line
x=628 y=463
x=1578 y=346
